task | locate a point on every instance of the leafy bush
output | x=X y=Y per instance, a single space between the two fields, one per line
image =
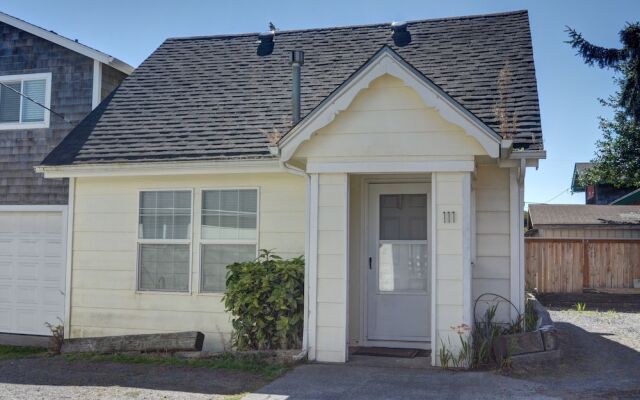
x=266 y=299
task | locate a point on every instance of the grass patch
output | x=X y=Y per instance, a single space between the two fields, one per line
x=245 y=363
x=8 y=352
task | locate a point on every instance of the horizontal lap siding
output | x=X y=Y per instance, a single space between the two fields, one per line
x=332 y=269
x=449 y=285
x=388 y=120
x=104 y=297
x=491 y=270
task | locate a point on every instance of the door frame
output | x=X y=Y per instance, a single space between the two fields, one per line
x=364 y=248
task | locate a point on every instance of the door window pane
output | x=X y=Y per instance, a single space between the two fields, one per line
x=216 y=257
x=229 y=214
x=403 y=217
x=164 y=267
x=32 y=112
x=402 y=267
x=165 y=215
x=10 y=102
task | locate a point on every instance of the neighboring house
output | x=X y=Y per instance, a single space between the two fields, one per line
x=392 y=179
x=584 y=221
x=70 y=79
x=599 y=193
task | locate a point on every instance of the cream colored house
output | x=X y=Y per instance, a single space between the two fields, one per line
x=394 y=180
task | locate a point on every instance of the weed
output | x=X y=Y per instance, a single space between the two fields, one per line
x=57 y=338
x=580 y=307
x=9 y=352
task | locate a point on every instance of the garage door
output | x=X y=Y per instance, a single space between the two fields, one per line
x=32 y=270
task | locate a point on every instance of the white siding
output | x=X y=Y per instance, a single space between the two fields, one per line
x=449 y=308
x=491 y=272
x=389 y=121
x=104 y=297
x=333 y=208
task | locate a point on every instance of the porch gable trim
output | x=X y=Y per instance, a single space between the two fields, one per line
x=364 y=167
x=387 y=61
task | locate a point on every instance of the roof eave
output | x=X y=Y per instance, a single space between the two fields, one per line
x=155 y=168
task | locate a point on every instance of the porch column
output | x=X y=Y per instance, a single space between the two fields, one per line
x=328 y=248
x=451 y=255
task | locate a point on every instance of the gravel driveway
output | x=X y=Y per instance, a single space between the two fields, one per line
x=56 y=378
x=622 y=327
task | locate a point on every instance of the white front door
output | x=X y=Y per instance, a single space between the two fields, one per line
x=398 y=274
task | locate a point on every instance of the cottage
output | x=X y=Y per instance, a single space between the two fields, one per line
x=48 y=83
x=392 y=156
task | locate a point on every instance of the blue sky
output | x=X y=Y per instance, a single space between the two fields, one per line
x=569 y=89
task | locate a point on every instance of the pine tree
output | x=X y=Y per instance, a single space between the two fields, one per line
x=617 y=158
x=625 y=60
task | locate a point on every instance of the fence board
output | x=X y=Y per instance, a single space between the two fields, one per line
x=556 y=265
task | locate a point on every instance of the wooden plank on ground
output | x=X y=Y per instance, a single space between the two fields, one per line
x=155 y=342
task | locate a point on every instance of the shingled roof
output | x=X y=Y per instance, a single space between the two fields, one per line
x=583 y=214
x=214 y=98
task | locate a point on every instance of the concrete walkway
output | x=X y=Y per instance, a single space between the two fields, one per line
x=325 y=382
x=592 y=367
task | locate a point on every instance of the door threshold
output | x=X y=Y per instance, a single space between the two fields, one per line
x=421 y=361
x=394 y=352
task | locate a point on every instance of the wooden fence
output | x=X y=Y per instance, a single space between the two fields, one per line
x=569 y=265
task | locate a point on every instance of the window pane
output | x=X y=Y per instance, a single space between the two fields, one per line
x=403 y=267
x=32 y=112
x=403 y=217
x=10 y=102
x=164 y=267
x=165 y=215
x=229 y=214
x=216 y=257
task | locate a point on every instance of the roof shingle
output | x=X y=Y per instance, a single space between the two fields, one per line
x=583 y=214
x=207 y=98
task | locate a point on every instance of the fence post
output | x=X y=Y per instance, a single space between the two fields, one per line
x=585 y=264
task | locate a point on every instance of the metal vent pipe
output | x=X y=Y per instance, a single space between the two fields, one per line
x=297 y=61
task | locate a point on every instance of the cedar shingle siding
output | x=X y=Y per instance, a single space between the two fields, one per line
x=111 y=78
x=71 y=91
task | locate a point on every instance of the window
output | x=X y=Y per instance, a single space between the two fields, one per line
x=229 y=233
x=16 y=110
x=164 y=241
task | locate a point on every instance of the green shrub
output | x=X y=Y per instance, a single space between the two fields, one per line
x=266 y=299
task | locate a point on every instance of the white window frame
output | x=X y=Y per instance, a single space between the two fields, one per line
x=140 y=241
x=47 y=100
x=203 y=242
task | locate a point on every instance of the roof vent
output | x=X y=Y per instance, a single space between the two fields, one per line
x=401 y=36
x=265 y=43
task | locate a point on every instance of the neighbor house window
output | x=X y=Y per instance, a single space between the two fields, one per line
x=22 y=98
x=164 y=241
x=229 y=233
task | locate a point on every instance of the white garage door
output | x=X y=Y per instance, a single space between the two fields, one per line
x=32 y=270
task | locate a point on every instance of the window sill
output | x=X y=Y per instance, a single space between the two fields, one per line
x=23 y=126
x=160 y=292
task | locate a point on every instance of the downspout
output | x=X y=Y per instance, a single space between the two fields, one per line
x=297 y=60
